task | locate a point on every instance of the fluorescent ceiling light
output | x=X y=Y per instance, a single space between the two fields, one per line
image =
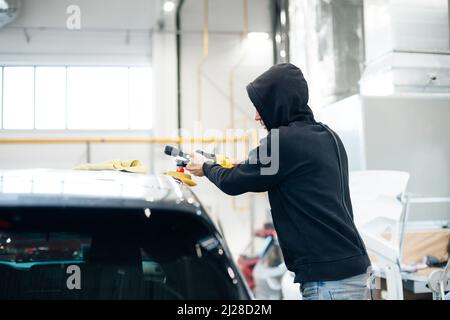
x=283 y=17
x=257 y=36
x=3 y=5
x=278 y=38
x=257 y=44
x=168 y=6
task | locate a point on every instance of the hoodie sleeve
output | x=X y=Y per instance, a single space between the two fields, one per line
x=256 y=174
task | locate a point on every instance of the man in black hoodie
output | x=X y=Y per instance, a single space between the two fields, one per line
x=307 y=183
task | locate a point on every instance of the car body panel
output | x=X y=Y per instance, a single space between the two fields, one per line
x=46 y=199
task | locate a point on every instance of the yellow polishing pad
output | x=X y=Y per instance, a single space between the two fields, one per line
x=224 y=161
x=184 y=177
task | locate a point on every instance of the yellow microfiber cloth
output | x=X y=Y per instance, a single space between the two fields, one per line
x=134 y=166
x=184 y=177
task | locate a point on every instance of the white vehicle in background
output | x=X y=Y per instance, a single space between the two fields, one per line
x=265 y=271
x=289 y=289
x=396 y=245
x=270 y=277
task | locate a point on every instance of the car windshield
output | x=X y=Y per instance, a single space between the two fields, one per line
x=129 y=256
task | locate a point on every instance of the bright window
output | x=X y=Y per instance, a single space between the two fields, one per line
x=18 y=98
x=1 y=98
x=76 y=98
x=140 y=98
x=50 y=98
x=97 y=98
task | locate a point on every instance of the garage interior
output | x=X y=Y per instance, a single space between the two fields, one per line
x=88 y=81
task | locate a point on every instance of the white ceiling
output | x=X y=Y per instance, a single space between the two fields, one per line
x=107 y=14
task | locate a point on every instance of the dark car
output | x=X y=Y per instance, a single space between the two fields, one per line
x=109 y=235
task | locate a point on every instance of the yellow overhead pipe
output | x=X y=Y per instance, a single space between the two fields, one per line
x=203 y=61
x=145 y=140
x=245 y=13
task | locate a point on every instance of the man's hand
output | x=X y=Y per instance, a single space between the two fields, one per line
x=195 y=166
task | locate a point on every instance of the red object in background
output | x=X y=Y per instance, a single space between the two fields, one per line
x=5 y=224
x=264 y=233
x=247 y=265
x=180 y=170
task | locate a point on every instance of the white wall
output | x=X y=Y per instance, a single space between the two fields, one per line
x=226 y=49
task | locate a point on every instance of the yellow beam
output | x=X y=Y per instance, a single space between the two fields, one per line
x=146 y=140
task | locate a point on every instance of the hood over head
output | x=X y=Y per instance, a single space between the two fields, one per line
x=281 y=96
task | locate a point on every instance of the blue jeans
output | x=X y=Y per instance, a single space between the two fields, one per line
x=354 y=288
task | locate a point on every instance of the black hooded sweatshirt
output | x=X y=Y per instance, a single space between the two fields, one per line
x=309 y=193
